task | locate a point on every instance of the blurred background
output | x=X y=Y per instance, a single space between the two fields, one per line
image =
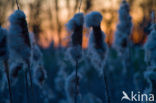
x=47 y=18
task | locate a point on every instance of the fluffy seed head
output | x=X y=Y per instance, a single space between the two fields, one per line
x=77 y=20
x=75 y=25
x=93 y=19
x=124 y=27
x=18 y=36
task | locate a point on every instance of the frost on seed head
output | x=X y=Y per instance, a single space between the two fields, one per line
x=77 y=20
x=75 y=25
x=93 y=19
x=18 y=36
x=97 y=36
x=16 y=16
x=3 y=44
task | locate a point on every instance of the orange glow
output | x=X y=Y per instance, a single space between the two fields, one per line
x=138 y=36
x=108 y=8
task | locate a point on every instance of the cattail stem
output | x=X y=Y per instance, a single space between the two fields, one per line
x=26 y=84
x=17 y=5
x=80 y=5
x=29 y=72
x=30 y=76
x=106 y=88
x=76 y=82
x=8 y=79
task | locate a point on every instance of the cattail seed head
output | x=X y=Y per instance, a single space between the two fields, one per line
x=75 y=25
x=93 y=19
x=124 y=27
x=97 y=36
x=18 y=36
x=97 y=49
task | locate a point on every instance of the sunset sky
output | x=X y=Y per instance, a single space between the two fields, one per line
x=109 y=9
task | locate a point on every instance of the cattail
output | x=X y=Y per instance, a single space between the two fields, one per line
x=70 y=87
x=97 y=47
x=124 y=28
x=19 y=42
x=4 y=56
x=122 y=42
x=75 y=26
x=150 y=58
x=18 y=38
